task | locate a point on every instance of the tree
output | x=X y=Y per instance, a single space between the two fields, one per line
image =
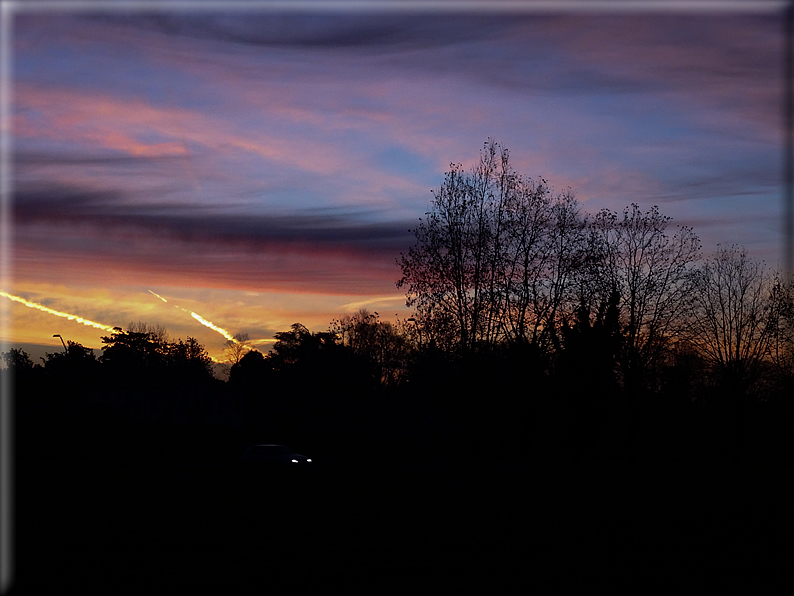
x=377 y=341
x=140 y=349
x=445 y=270
x=494 y=257
x=234 y=351
x=74 y=371
x=20 y=369
x=739 y=307
x=546 y=250
x=299 y=345
x=252 y=371
x=75 y=356
x=586 y=372
x=652 y=274
x=783 y=341
x=188 y=362
x=18 y=360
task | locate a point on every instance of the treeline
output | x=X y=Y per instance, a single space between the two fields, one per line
x=538 y=329
x=501 y=260
x=371 y=389
x=140 y=358
x=312 y=389
x=601 y=317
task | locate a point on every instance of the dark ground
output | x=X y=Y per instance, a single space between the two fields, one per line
x=132 y=528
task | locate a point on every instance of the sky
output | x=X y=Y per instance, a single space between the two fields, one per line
x=264 y=168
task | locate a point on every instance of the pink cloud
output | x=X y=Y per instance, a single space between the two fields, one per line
x=101 y=119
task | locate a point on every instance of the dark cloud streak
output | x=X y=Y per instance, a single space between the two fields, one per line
x=323 y=31
x=334 y=228
x=25 y=159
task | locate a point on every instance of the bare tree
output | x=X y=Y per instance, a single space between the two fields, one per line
x=494 y=258
x=547 y=250
x=783 y=342
x=652 y=273
x=234 y=350
x=453 y=268
x=736 y=322
x=156 y=333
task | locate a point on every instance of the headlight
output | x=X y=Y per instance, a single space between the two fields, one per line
x=294 y=461
x=308 y=461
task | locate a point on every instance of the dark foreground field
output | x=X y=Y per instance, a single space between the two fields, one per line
x=187 y=528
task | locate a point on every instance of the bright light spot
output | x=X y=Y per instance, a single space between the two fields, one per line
x=294 y=461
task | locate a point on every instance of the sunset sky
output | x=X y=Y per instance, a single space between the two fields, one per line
x=264 y=168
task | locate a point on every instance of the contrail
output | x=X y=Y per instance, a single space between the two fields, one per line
x=201 y=320
x=206 y=323
x=158 y=295
x=58 y=313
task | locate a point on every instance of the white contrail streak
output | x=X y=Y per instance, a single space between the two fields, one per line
x=206 y=323
x=201 y=320
x=158 y=295
x=57 y=313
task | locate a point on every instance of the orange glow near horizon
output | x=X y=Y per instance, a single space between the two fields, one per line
x=108 y=328
x=260 y=315
x=57 y=313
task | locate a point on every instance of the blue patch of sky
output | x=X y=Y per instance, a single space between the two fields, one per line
x=282 y=198
x=670 y=141
x=403 y=162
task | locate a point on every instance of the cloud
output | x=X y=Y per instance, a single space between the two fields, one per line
x=270 y=118
x=23 y=159
x=320 y=116
x=388 y=300
x=69 y=231
x=242 y=146
x=325 y=31
x=106 y=210
x=729 y=65
x=137 y=127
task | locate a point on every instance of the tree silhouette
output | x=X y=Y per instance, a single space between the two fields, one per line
x=18 y=361
x=138 y=357
x=494 y=258
x=234 y=350
x=588 y=373
x=782 y=349
x=251 y=371
x=652 y=274
x=76 y=361
x=739 y=309
x=547 y=250
x=299 y=347
x=188 y=362
x=143 y=356
x=453 y=267
x=378 y=342
x=21 y=370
